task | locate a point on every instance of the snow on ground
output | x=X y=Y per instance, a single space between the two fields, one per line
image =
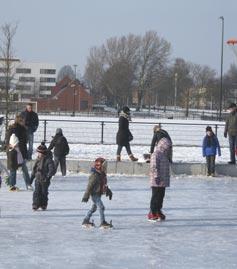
x=200 y=230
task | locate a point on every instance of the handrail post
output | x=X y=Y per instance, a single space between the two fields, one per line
x=102 y=132
x=216 y=127
x=45 y=123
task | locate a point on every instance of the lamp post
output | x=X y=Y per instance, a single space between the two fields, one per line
x=73 y=85
x=175 y=90
x=221 y=86
x=75 y=71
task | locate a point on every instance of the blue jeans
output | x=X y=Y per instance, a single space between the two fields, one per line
x=31 y=142
x=96 y=199
x=232 y=143
x=12 y=178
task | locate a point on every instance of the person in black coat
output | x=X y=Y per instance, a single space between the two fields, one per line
x=124 y=135
x=61 y=149
x=19 y=130
x=42 y=172
x=31 y=124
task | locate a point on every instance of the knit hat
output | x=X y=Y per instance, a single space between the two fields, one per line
x=208 y=129
x=126 y=110
x=42 y=148
x=59 y=131
x=100 y=164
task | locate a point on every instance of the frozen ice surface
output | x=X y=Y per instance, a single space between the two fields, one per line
x=200 y=230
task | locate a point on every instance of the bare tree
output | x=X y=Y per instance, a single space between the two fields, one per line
x=66 y=70
x=8 y=32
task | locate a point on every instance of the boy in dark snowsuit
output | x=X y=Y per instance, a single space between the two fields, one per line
x=97 y=186
x=210 y=147
x=43 y=170
x=61 y=149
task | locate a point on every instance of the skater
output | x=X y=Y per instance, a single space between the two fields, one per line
x=231 y=131
x=210 y=147
x=19 y=130
x=61 y=149
x=42 y=171
x=31 y=123
x=124 y=135
x=97 y=186
x=159 y=177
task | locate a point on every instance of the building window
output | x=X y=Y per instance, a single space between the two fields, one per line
x=48 y=71
x=84 y=105
x=23 y=71
x=42 y=79
x=23 y=87
x=27 y=79
x=46 y=88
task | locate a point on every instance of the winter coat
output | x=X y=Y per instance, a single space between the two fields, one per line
x=60 y=145
x=157 y=137
x=210 y=146
x=96 y=185
x=231 y=124
x=124 y=135
x=160 y=164
x=43 y=168
x=14 y=156
x=31 y=120
x=20 y=132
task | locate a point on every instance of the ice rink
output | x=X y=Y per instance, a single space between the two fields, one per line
x=200 y=230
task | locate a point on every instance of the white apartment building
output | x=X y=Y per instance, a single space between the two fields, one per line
x=29 y=79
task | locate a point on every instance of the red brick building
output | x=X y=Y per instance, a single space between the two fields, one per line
x=67 y=96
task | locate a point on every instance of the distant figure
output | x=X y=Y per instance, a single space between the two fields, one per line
x=231 y=130
x=31 y=124
x=159 y=177
x=61 y=149
x=210 y=147
x=42 y=172
x=124 y=135
x=19 y=130
x=97 y=186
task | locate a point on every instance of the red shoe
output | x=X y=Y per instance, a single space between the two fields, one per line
x=151 y=216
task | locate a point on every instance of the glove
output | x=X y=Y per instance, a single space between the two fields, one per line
x=109 y=193
x=225 y=134
x=85 y=199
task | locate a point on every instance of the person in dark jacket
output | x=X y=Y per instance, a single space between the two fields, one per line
x=210 y=148
x=124 y=135
x=231 y=131
x=97 y=186
x=31 y=124
x=61 y=149
x=19 y=130
x=42 y=172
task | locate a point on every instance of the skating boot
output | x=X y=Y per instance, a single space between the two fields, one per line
x=87 y=224
x=152 y=217
x=118 y=158
x=161 y=216
x=106 y=225
x=14 y=188
x=132 y=158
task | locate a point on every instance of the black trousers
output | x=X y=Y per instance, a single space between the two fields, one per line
x=158 y=194
x=128 y=149
x=62 y=162
x=211 y=164
x=40 y=195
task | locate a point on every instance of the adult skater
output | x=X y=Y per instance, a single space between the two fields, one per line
x=97 y=186
x=61 y=149
x=19 y=130
x=231 y=131
x=124 y=135
x=31 y=124
x=210 y=148
x=42 y=171
x=159 y=177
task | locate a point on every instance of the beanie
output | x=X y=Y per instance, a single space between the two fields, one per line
x=208 y=129
x=42 y=148
x=59 y=131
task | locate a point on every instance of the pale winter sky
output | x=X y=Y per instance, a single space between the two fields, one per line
x=63 y=31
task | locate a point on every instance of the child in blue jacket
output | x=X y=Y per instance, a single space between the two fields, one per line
x=210 y=148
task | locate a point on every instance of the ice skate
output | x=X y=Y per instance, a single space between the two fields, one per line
x=87 y=224
x=132 y=158
x=35 y=207
x=14 y=189
x=152 y=217
x=44 y=207
x=29 y=188
x=161 y=216
x=106 y=225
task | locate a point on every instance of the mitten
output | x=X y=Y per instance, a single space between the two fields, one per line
x=85 y=199
x=109 y=193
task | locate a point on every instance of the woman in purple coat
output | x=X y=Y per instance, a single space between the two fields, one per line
x=159 y=177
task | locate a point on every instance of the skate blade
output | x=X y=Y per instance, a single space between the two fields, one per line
x=154 y=220
x=105 y=227
x=88 y=226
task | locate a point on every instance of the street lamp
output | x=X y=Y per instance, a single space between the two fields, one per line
x=175 y=90
x=75 y=71
x=221 y=86
x=74 y=98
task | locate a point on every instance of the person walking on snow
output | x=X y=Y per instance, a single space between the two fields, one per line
x=231 y=131
x=97 y=186
x=159 y=177
x=42 y=172
x=31 y=123
x=61 y=149
x=210 y=148
x=124 y=135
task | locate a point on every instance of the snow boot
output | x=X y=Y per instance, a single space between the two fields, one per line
x=118 y=158
x=132 y=158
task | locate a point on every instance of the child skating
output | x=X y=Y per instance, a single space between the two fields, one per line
x=159 y=177
x=43 y=170
x=97 y=186
x=210 y=148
